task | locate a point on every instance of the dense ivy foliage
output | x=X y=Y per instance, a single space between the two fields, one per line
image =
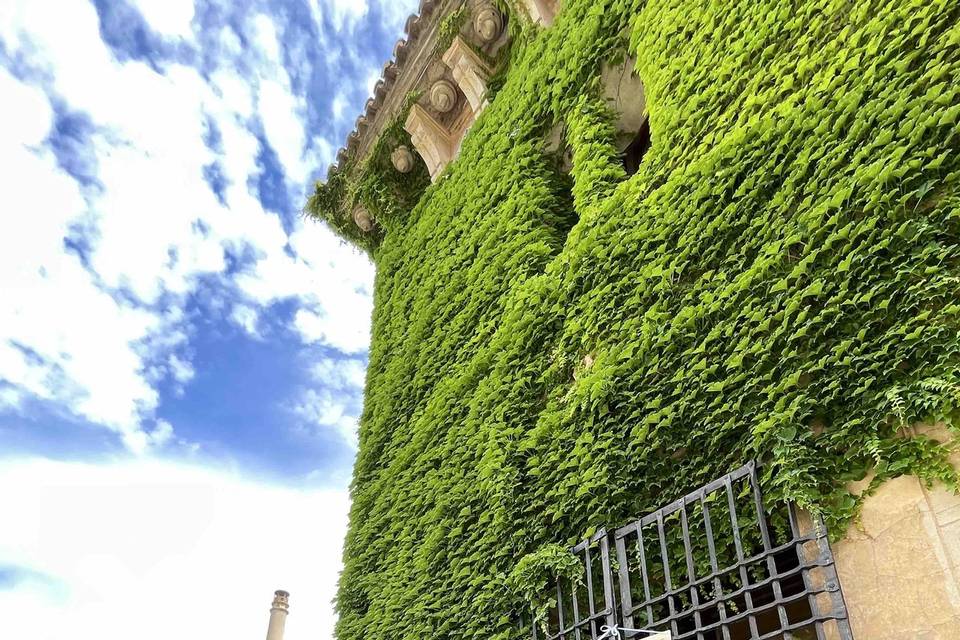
x=779 y=281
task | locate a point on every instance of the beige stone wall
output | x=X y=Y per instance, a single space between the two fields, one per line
x=899 y=567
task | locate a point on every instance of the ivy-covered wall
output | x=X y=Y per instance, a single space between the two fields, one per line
x=779 y=281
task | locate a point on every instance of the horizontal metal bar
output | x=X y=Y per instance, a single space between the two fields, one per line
x=580 y=625
x=770 y=606
x=718 y=484
x=805 y=564
x=776 y=633
x=583 y=544
x=753 y=586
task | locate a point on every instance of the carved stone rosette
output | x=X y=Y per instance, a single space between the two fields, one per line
x=488 y=23
x=363 y=219
x=443 y=96
x=402 y=159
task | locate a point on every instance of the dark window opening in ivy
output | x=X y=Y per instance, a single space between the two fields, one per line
x=638 y=147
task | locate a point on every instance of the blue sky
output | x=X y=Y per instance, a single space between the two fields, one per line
x=169 y=319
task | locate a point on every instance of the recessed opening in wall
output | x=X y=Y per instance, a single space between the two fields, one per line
x=559 y=156
x=624 y=94
x=632 y=156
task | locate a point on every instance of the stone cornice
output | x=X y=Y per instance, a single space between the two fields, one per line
x=416 y=59
x=401 y=75
x=445 y=64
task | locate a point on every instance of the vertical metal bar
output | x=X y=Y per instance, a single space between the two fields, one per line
x=626 y=598
x=833 y=582
x=561 y=633
x=608 y=599
x=767 y=547
x=576 y=608
x=805 y=572
x=666 y=573
x=744 y=578
x=714 y=568
x=691 y=571
x=591 y=603
x=645 y=573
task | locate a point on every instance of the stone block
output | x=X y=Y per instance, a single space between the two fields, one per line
x=898 y=566
x=470 y=72
x=542 y=11
x=431 y=140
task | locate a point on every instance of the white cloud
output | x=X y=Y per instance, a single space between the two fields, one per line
x=332 y=280
x=169 y=17
x=321 y=409
x=247 y=318
x=281 y=111
x=266 y=38
x=230 y=44
x=372 y=79
x=336 y=401
x=343 y=12
x=28 y=115
x=236 y=98
x=282 y=116
x=340 y=374
x=396 y=13
x=180 y=370
x=64 y=337
x=322 y=154
x=157 y=551
x=339 y=106
x=97 y=336
x=319 y=326
x=162 y=434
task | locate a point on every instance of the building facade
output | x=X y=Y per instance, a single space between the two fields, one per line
x=625 y=248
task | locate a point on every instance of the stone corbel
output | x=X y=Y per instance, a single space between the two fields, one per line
x=470 y=72
x=542 y=11
x=431 y=140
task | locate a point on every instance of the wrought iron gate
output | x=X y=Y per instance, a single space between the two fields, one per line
x=713 y=565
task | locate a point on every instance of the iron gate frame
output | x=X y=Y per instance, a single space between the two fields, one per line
x=816 y=589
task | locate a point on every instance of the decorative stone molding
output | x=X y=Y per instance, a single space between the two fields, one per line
x=453 y=86
x=488 y=23
x=470 y=71
x=402 y=159
x=431 y=139
x=401 y=75
x=443 y=96
x=542 y=11
x=363 y=219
